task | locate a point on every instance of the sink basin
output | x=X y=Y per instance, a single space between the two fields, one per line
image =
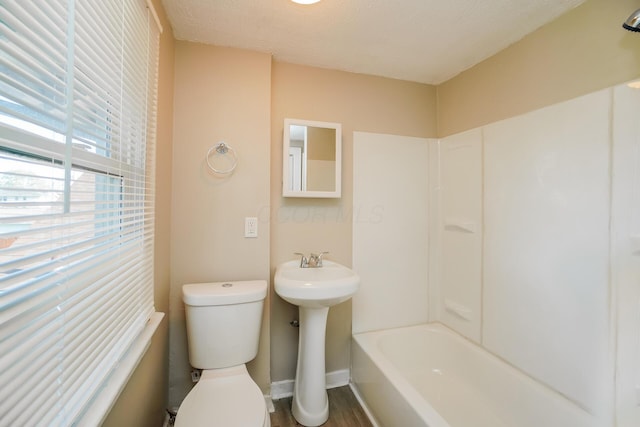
x=314 y=291
x=326 y=286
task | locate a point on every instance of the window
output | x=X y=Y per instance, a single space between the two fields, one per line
x=77 y=132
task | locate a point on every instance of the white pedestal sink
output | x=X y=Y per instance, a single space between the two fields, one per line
x=313 y=290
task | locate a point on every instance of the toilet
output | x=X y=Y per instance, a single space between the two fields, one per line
x=223 y=331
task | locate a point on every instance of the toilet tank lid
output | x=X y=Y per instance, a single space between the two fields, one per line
x=224 y=293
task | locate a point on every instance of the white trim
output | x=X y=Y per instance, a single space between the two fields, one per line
x=98 y=410
x=269 y=402
x=286 y=191
x=338 y=378
x=282 y=389
x=155 y=15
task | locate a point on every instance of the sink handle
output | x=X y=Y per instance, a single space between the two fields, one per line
x=315 y=260
x=304 y=262
x=320 y=258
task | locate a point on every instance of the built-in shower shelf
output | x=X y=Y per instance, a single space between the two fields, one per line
x=460 y=225
x=458 y=309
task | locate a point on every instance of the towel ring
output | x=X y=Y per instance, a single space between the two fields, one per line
x=222 y=149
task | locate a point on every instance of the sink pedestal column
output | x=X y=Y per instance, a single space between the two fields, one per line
x=310 y=403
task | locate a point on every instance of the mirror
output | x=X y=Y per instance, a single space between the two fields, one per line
x=312 y=159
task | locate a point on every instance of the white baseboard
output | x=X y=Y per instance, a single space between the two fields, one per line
x=338 y=378
x=282 y=389
x=269 y=403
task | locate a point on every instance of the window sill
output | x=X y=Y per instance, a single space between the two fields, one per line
x=100 y=407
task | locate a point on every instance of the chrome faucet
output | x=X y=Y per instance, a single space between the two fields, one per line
x=304 y=262
x=314 y=260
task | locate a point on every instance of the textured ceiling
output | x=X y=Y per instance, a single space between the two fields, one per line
x=427 y=41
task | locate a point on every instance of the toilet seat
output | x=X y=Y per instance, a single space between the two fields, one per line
x=224 y=397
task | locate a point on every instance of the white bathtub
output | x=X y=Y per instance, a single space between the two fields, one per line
x=427 y=375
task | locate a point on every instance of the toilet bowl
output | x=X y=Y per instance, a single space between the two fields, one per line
x=223 y=331
x=224 y=397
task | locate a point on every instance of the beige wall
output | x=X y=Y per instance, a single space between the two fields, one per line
x=144 y=399
x=359 y=102
x=220 y=94
x=582 y=51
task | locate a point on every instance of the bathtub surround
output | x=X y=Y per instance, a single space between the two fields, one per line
x=390 y=237
x=545 y=293
x=536 y=257
x=625 y=251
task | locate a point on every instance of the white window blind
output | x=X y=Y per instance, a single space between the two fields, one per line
x=77 y=147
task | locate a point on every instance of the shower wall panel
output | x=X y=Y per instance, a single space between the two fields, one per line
x=625 y=251
x=460 y=228
x=390 y=237
x=546 y=246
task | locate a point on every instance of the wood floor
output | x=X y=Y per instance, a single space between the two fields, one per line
x=344 y=411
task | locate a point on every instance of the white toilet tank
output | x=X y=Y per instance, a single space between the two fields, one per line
x=223 y=322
